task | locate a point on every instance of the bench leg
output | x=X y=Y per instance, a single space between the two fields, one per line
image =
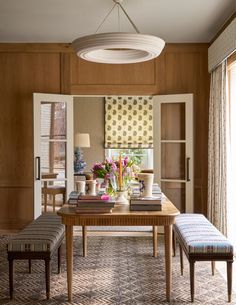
x=191 y=266
x=213 y=266
x=155 y=241
x=30 y=266
x=11 y=267
x=181 y=260
x=47 y=277
x=85 y=245
x=229 y=279
x=59 y=260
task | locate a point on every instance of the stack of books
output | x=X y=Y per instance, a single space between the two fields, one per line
x=94 y=204
x=153 y=203
x=73 y=197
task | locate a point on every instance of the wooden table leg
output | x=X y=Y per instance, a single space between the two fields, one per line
x=168 y=259
x=84 y=236
x=69 y=259
x=154 y=235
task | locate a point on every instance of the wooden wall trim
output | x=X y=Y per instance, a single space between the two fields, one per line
x=224 y=26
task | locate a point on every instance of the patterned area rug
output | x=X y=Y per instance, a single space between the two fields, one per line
x=117 y=271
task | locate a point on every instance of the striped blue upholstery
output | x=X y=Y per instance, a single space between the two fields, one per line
x=200 y=236
x=43 y=234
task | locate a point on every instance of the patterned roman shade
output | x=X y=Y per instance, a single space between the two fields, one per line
x=128 y=122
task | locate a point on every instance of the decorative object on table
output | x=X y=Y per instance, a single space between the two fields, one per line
x=82 y=140
x=118 y=47
x=80 y=187
x=117 y=174
x=146 y=182
x=153 y=203
x=91 y=187
x=135 y=189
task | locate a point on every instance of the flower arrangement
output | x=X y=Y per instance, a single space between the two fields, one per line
x=117 y=173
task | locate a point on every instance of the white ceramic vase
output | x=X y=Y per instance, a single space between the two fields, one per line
x=146 y=182
x=121 y=197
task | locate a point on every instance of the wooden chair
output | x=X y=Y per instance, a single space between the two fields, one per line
x=53 y=190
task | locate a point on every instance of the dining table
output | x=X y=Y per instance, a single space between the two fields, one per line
x=120 y=216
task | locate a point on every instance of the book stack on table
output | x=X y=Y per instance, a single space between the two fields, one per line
x=153 y=203
x=86 y=204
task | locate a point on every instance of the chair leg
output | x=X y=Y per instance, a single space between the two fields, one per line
x=11 y=267
x=54 y=203
x=30 y=266
x=213 y=266
x=85 y=244
x=64 y=198
x=59 y=260
x=229 y=279
x=155 y=240
x=191 y=265
x=45 y=202
x=47 y=277
x=181 y=259
x=174 y=242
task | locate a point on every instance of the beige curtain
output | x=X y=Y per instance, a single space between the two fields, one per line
x=217 y=163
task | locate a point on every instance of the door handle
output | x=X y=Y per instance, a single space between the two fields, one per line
x=38 y=168
x=187 y=169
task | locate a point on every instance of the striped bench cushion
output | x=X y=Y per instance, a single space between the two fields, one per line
x=200 y=236
x=42 y=234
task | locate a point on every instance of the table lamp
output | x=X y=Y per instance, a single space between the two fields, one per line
x=81 y=140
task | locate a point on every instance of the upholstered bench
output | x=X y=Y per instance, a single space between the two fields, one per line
x=39 y=240
x=201 y=241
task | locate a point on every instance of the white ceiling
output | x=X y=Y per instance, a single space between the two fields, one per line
x=65 y=20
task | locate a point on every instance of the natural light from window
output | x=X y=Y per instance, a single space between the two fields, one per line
x=143 y=157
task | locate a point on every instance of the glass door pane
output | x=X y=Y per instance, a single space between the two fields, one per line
x=174 y=152
x=53 y=150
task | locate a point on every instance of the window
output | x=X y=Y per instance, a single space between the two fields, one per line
x=129 y=128
x=143 y=157
x=231 y=150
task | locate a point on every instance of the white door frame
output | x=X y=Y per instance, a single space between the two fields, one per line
x=189 y=174
x=37 y=99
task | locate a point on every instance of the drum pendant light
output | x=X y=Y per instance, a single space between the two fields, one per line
x=118 y=47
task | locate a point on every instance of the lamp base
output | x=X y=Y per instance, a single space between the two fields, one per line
x=79 y=163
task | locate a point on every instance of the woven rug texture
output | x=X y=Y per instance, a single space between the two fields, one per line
x=117 y=271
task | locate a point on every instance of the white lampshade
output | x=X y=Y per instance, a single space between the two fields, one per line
x=82 y=140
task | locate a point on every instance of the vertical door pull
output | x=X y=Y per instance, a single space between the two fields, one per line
x=188 y=175
x=38 y=167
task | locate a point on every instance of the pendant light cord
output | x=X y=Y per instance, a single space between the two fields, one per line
x=117 y=3
x=105 y=18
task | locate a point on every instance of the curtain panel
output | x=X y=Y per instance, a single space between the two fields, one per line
x=128 y=122
x=217 y=160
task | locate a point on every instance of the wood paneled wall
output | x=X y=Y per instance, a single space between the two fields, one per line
x=21 y=74
x=54 y=68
